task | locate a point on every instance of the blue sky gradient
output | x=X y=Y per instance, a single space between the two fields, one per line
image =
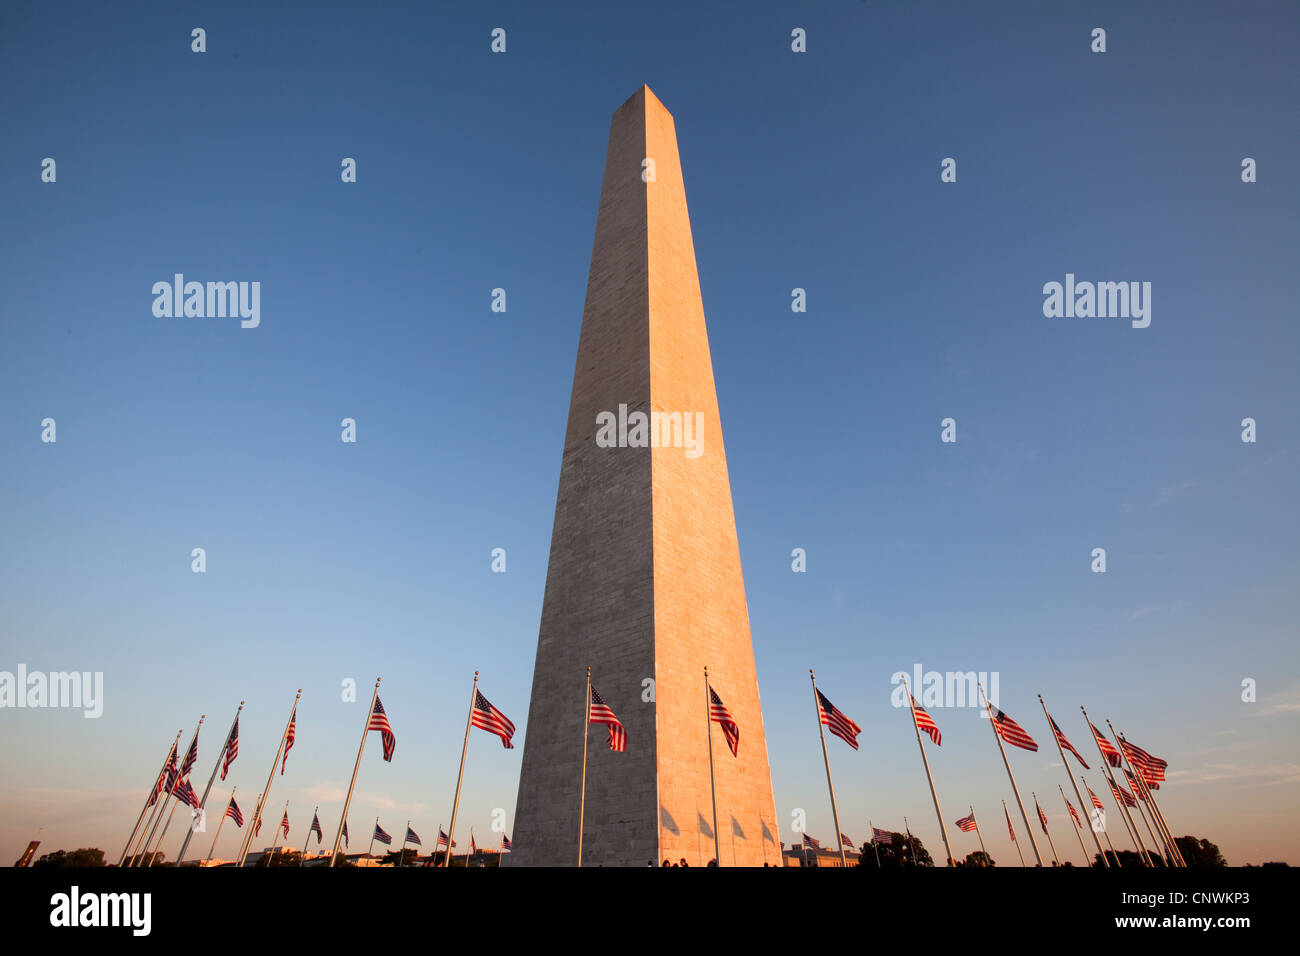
x=328 y=561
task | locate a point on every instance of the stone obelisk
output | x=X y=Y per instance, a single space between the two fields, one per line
x=644 y=583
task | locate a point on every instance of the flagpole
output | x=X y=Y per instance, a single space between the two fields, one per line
x=437 y=843
x=460 y=774
x=1078 y=826
x=166 y=826
x=1113 y=852
x=303 y=860
x=943 y=829
x=830 y=784
x=874 y=845
x=582 y=800
x=402 y=852
x=911 y=840
x=138 y=848
x=1014 y=789
x=219 y=826
x=1160 y=818
x=152 y=793
x=170 y=793
x=334 y=852
x=469 y=849
x=1144 y=795
x=370 y=850
x=261 y=802
x=1056 y=857
x=1070 y=773
x=977 y=832
x=713 y=792
x=1155 y=841
x=275 y=844
x=203 y=802
x=1013 y=839
x=1133 y=833
x=1128 y=824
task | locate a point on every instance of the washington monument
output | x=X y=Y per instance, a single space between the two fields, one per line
x=644 y=583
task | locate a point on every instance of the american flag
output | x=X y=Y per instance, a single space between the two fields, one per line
x=442 y=840
x=379 y=722
x=1060 y=739
x=967 y=823
x=1042 y=817
x=1133 y=785
x=719 y=715
x=411 y=836
x=882 y=836
x=345 y=833
x=1107 y=748
x=473 y=850
x=840 y=725
x=1122 y=795
x=1010 y=731
x=506 y=845
x=191 y=756
x=257 y=829
x=810 y=843
x=1010 y=829
x=845 y=841
x=315 y=828
x=186 y=793
x=284 y=824
x=382 y=837
x=232 y=748
x=1151 y=768
x=924 y=722
x=486 y=717
x=232 y=811
x=1095 y=802
x=166 y=780
x=601 y=714
x=1075 y=815
x=288 y=741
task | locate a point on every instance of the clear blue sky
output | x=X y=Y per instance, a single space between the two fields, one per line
x=328 y=561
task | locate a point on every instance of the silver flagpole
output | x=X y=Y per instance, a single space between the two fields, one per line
x=1155 y=840
x=1133 y=833
x=1078 y=825
x=303 y=859
x=334 y=851
x=1114 y=855
x=582 y=800
x=943 y=829
x=830 y=784
x=978 y=834
x=1013 y=839
x=171 y=792
x=1061 y=750
x=402 y=852
x=1056 y=857
x=713 y=792
x=222 y=823
x=261 y=802
x=152 y=791
x=370 y=850
x=872 y=826
x=203 y=801
x=1014 y=789
x=460 y=774
x=166 y=826
x=911 y=840
x=1128 y=825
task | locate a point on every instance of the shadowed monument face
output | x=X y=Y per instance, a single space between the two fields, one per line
x=644 y=583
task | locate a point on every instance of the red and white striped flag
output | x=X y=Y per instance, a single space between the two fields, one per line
x=1060 y=739
x=924 y=722
x=1073 y=813
x=1010 y=828
x=379 y=722
x=1108 y=750
x=232 y=811
x=191 y=756
x=284 y=824
x=1151 y=768
x=847 y=842
x=602 y=714
x=486 y=717
x=719 y=715
x=1042 y=817
x=288 y=740
x=1122 y=795
x=1095 y=801
x=315 y=828
x=884 y=837
x=1010 y=731
x=967 y=824
x=809 y=842
x=837 y=722
x=232 y=748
